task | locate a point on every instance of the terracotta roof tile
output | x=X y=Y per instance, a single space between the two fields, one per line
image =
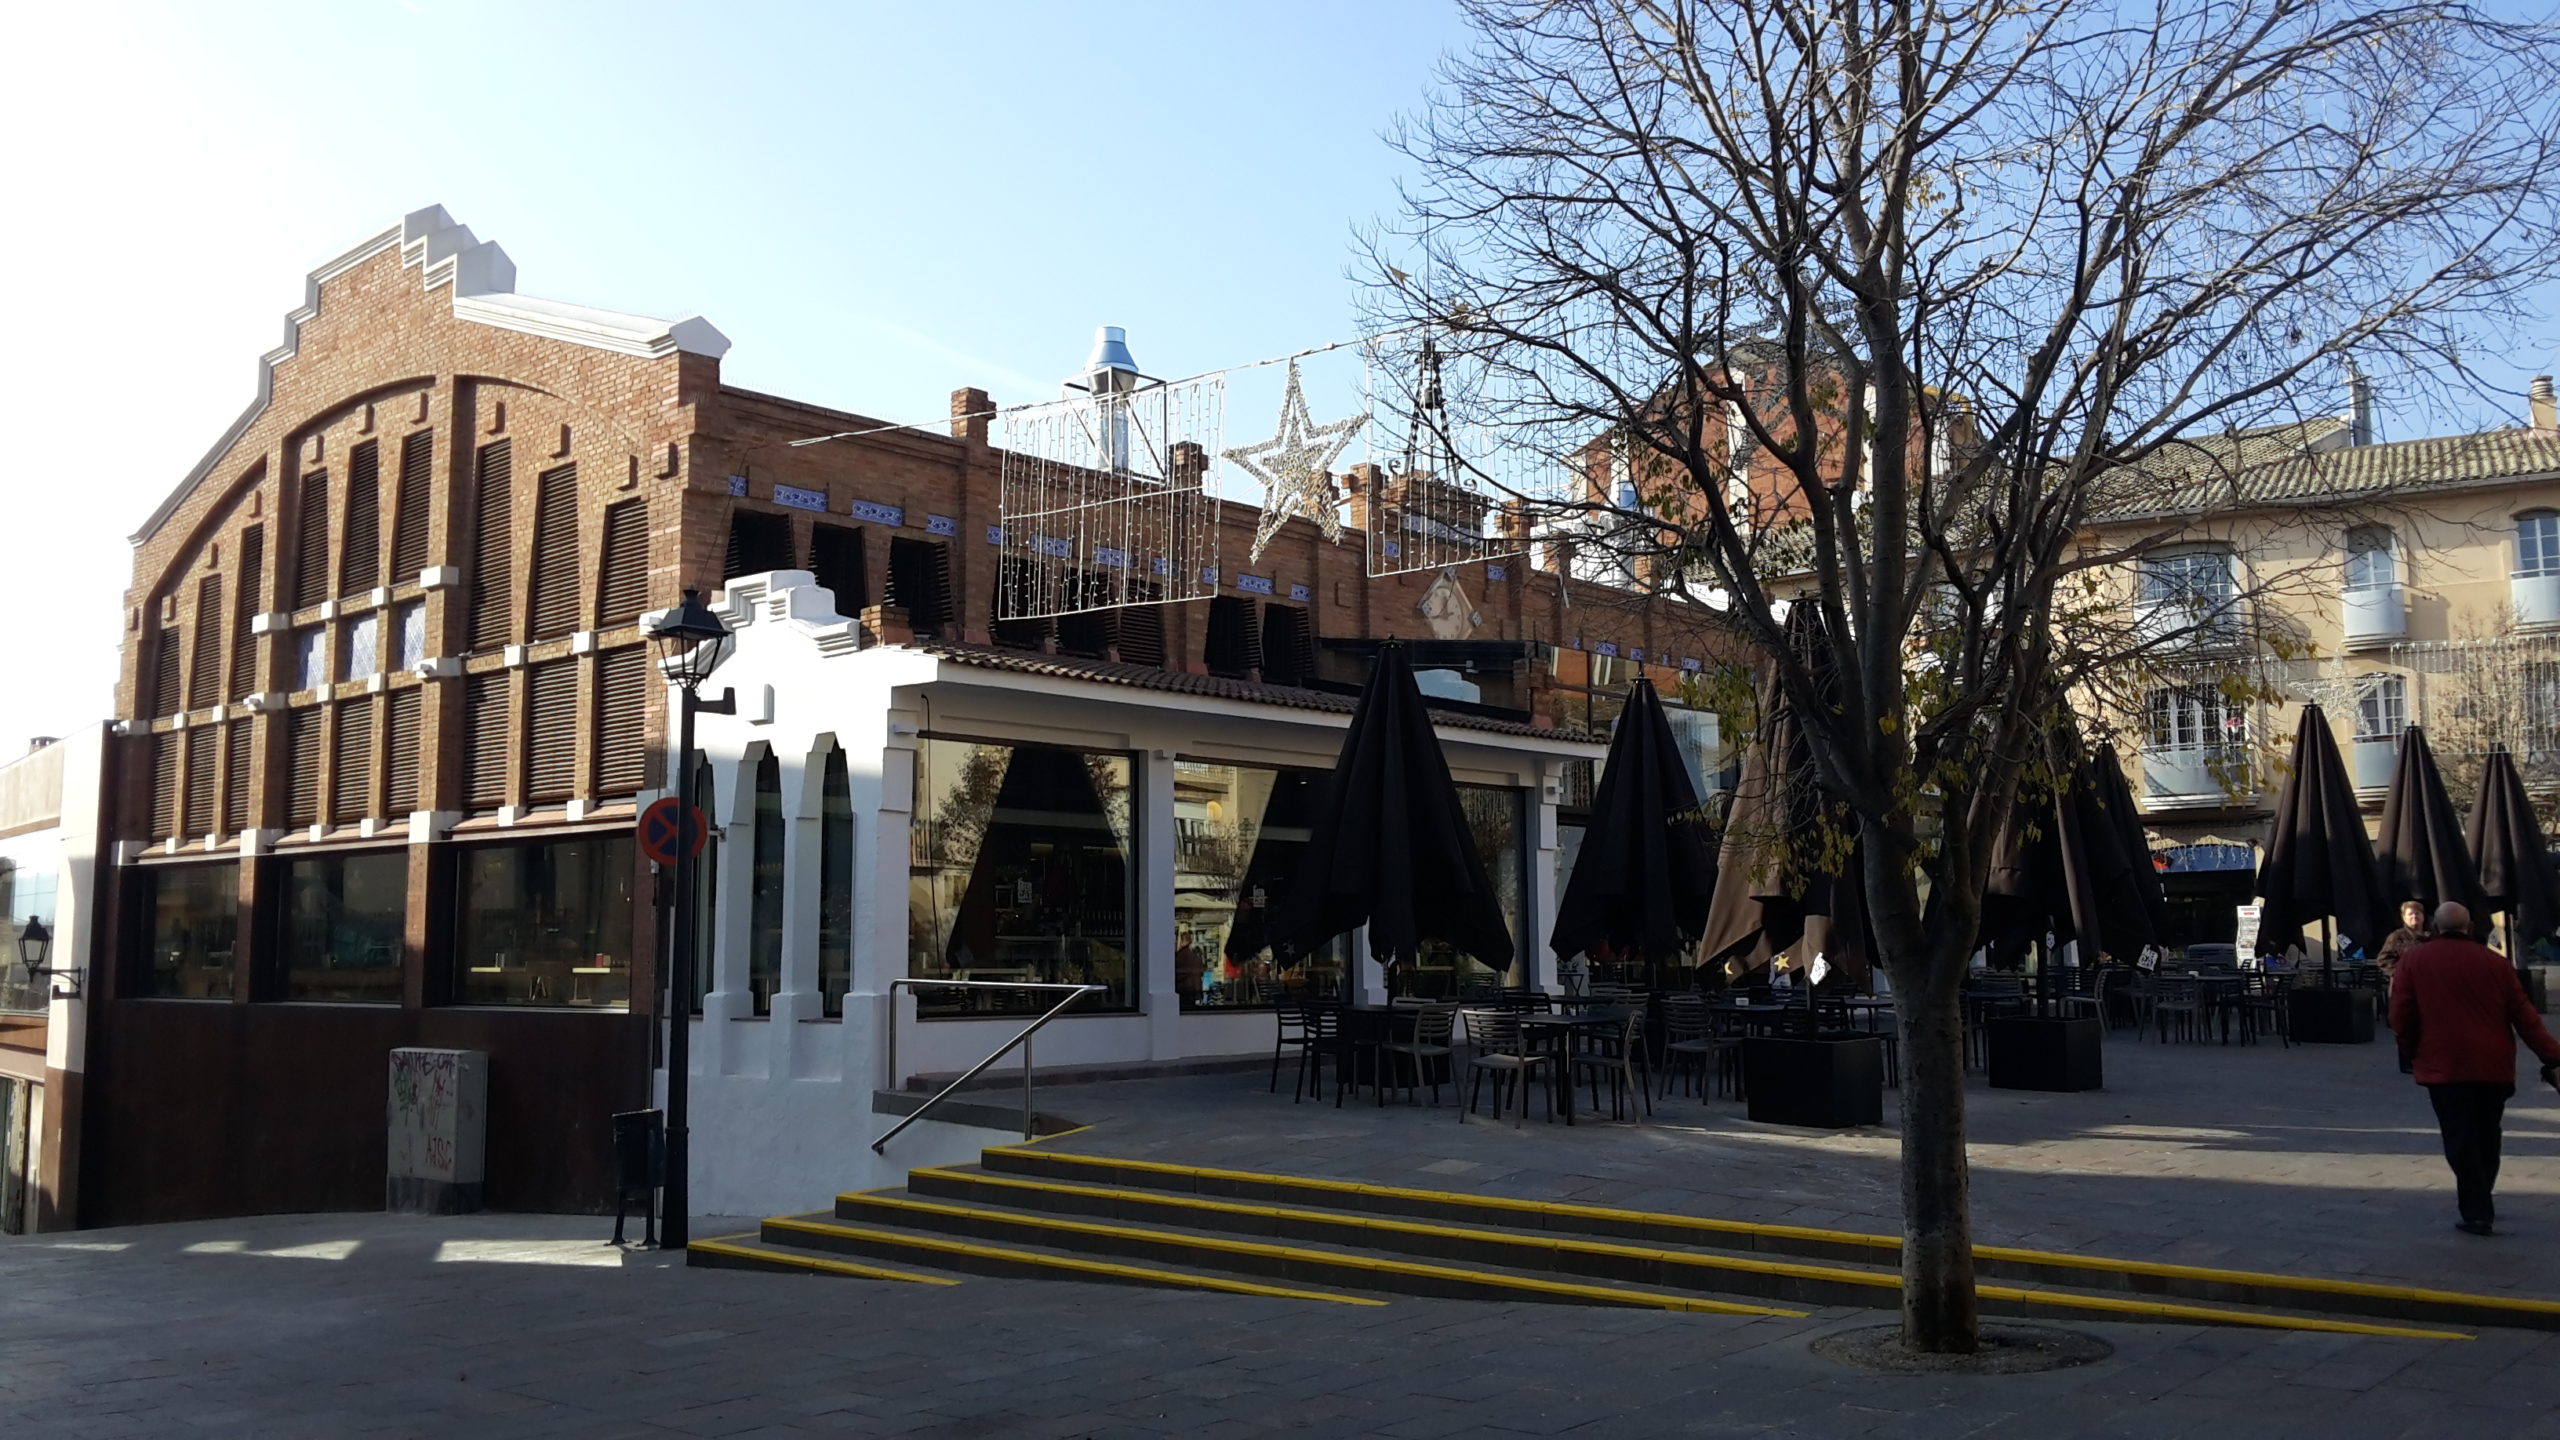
x=1215 y=687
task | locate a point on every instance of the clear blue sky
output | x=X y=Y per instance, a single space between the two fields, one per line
x=878 y=203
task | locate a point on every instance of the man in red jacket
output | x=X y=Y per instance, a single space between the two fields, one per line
x=2458 y=1010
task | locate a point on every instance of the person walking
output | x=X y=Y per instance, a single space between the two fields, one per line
x=2458 y=1010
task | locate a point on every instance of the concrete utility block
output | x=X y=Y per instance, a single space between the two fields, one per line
x=438 y=1117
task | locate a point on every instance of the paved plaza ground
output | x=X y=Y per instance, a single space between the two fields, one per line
x=502 y=1326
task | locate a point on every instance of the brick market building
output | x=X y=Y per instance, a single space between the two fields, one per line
x=385 y=717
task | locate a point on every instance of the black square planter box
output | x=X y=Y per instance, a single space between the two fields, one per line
x=2048 y=1052
x=1826 y=1084
x=2323 y=1016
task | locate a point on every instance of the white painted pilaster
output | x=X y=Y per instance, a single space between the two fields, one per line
x=1153 y=949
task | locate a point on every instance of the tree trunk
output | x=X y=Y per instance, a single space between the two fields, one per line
x=1938 y=1307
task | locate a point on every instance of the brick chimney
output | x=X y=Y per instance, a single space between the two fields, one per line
x=969 y=410
x=2546 y=408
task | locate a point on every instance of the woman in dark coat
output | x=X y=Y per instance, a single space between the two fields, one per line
x=2413 y=931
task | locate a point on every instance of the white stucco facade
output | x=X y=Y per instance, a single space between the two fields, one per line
x=782 y=1113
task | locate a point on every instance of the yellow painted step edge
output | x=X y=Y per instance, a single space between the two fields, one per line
x=832 y=1266
x=1227 y=1245
x=1885 y=1243
x=2161 y=1311
x=1075 y=1264
x=1394 y=1225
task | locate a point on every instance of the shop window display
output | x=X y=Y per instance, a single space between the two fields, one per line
x=1020 y=871
x=1240 y=831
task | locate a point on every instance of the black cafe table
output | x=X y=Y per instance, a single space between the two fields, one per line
x=1554 y=1035
x=1363 y=1032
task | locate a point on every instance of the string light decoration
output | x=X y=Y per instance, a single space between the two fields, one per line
x=1447 y=483
x=1104 y=495
x=1295 y=467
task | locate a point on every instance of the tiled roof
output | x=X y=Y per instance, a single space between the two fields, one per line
x=2304 y=463
x=1215 y=687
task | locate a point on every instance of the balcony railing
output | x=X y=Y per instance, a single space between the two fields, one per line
x=2369 y=762
x=2187 y=623
x=2537 y=599
x=2195 y=775
x=2375 y=615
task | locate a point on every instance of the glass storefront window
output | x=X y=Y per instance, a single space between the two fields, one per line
x=1020 y=870
x=835 y=888
x=1495 y=820
x=187 y=921
x=545 y=923
x=1238 y=833
x=345 y=918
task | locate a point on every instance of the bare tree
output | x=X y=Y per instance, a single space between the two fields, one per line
x=1892 y=300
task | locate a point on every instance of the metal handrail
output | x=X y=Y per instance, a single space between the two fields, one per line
x=1074 y=993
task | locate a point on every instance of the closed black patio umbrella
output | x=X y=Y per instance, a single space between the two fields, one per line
x=1646 y=871
x=2421 y=854
x=1390 y=846
x=2319 y=863
x=2062 y=866
x=2515 y=869
x=2149 y=905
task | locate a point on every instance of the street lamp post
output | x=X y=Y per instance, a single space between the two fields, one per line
x=691 y=642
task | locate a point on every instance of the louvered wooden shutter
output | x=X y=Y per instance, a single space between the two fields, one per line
x=1288 y=645
x=484 y=704
x=165 y=699
x=400 y=739
x=235 y=777
x=361 y=570
x=204 y=671
x=311 y=542
x=551 y=726
x=302 y=760
x=417 y=493
x=836 y=559
x=351 y=777
x=198 y=816
x=1234 y=642
x=622 y=720
x=555 y=553
x=164 y=784
x=492 y=522
x=1014 y=575
x=758 y=542
x=253 y=580
x=1142 y=635
x=622 y=591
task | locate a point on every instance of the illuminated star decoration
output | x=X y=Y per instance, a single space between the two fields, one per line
x=1296 y=467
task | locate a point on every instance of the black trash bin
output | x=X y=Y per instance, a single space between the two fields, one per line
x=640 y=1167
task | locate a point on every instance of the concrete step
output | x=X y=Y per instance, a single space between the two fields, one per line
x=750 y=1251
x=826 y=1235
x=1855 y=1263
x=1158 y=1223
x=1200 y=1254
